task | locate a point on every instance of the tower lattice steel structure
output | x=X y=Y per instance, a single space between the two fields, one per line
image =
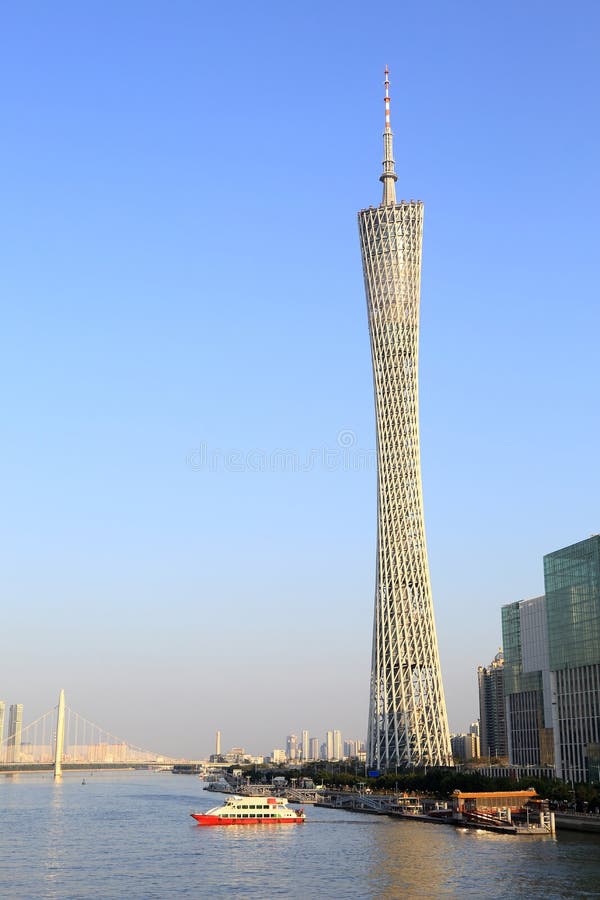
x=408 y=725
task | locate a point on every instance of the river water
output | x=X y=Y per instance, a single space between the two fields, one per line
x=129 y=835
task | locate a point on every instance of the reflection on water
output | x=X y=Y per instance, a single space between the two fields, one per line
x=53 y=835
x=413 y=859
x=410 y=860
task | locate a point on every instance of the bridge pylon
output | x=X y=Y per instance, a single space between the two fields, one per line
x=60 y=736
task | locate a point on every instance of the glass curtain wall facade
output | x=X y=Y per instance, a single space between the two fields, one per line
x=528 y=710
x=552 y=667
x=407 y=715
x=572 y=582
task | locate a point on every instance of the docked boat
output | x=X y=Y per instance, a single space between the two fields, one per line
x=251 y=811
x=219 y=787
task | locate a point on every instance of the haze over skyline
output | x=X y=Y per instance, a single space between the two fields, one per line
x=183 y=297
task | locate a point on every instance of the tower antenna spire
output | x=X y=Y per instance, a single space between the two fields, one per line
x=389 y=177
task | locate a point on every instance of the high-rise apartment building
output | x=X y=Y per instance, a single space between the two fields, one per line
x=338 y=745
x=2 y=712
x=350 y=748
x=552 y=659
x=15 y=725
x=314 y=748
x=329 y=745
x=292 y=747
x=465 y=746
x=492 y=711
x=408 y=725
x=305 y=746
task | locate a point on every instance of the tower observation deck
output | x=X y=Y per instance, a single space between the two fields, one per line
x=408 y=725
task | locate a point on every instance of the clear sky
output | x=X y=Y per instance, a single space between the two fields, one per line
x=182 y=297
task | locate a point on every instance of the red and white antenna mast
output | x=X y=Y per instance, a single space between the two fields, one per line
x=389 y=177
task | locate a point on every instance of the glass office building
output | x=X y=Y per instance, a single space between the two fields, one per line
x=572 y=582
x=527 y=683
x=552 y=667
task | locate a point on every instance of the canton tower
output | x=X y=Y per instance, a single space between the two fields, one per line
x=408 y=725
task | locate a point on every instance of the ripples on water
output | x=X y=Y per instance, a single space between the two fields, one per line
x=130 y=836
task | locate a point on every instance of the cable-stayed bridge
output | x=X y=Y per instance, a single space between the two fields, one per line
x=62 y=738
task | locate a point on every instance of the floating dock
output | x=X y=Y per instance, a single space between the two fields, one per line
x=540 y=823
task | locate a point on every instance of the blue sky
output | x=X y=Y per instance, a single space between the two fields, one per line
x=181 y=275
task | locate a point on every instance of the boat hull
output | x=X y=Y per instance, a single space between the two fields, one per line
x=218 y=820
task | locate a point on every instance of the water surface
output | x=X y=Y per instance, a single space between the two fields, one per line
x=130 y=835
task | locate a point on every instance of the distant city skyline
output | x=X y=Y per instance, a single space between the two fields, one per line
x=84 y=741
x=331 y=748
x=181 y=270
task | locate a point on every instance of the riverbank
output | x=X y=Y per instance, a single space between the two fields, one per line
x=384 y=805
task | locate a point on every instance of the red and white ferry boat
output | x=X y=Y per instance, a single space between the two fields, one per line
x=251 y=811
